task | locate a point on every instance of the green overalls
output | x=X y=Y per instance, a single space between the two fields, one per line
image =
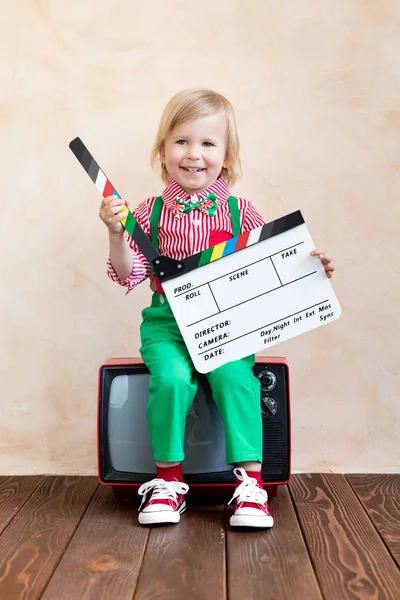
x=173 y=381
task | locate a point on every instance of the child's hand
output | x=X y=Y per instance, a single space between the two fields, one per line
x=112 y=210
x=325 y=260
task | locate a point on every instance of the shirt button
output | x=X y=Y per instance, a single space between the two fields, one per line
x=196 y=222
x=162 y=300
x=193 y=198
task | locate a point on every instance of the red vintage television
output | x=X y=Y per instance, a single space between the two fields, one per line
x=124 y=452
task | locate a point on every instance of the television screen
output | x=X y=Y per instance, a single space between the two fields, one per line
x=124 y=448
x=128 y=435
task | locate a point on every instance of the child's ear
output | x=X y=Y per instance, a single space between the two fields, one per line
x=227 y=162
x=162 y=154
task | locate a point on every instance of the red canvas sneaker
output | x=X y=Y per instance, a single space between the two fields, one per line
x=251 y=503
x=165 y=504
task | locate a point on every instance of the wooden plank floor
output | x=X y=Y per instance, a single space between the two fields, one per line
x=67 y=538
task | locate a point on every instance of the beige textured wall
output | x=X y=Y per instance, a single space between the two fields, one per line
x=316 y=88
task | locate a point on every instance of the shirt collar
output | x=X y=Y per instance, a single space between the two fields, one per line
x=220 y=188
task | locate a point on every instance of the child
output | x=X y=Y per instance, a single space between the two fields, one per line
x=198 y=148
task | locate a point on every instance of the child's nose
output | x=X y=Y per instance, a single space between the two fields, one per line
x=193 y=152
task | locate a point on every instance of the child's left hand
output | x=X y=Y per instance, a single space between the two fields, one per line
x=325 y=260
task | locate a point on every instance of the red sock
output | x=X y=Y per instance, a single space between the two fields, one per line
x=170 y=473
x=254 y=475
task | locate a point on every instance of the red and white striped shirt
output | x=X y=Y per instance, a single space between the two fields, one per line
x=193 y=232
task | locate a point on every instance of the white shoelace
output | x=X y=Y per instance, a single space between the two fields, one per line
x=163 y=490
x=248 y=490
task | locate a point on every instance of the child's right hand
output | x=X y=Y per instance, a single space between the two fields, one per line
x=112 y=212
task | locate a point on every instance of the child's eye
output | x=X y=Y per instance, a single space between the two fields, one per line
x=181 y=142
x=208 y=144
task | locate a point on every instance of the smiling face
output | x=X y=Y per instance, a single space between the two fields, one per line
x=195 y=152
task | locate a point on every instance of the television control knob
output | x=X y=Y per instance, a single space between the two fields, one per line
x=269 y=406
x=268 y=380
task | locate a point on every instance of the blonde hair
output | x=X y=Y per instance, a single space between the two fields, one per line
x=194 y=104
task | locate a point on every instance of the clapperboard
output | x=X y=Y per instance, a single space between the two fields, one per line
x=240 y=296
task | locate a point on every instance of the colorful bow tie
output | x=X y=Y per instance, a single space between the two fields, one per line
x=207 y=205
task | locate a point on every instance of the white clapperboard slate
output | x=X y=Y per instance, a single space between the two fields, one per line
x=241 y=296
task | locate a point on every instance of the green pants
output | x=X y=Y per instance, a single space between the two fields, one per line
x=173 y=386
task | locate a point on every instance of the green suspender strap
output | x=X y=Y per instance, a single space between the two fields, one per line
x=154 y=220
x=235 y=215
